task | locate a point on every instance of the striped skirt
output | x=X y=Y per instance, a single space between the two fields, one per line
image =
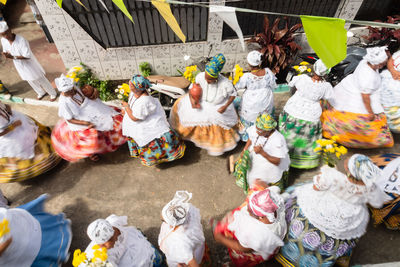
x=355 y=130
x=75 y=145
x=16 y=170
x=167 y=148
x=301 y=137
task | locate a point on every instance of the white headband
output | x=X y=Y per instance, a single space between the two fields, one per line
x=3 y=26
x=254 y=58
x=376 y=55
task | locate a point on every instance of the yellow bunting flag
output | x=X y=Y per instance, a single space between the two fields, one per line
x=328 y=38
x=165 y=11
x=120 y=4
x=3 y=2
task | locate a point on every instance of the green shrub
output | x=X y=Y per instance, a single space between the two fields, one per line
x=145 y=69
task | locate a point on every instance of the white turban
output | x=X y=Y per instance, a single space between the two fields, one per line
x=64 y=84
x=176 y=211
x=396 y=61
x=100 y=231
x=3 y=26
x=376 y=55
x=320 y=69
x=254 y=58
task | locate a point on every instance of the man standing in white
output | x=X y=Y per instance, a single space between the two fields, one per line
x=15 y=47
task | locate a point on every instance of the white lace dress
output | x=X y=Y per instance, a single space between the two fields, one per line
x=258 y=96
x=390 y=99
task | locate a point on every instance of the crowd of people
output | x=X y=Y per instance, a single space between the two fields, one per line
x=313 y=224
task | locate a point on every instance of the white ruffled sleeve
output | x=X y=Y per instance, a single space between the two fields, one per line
x=64 y=111
x=272 y=78
x=276 y=147
x=328 y=91
x=294 y=80
x=142 y=109
x=242 y=83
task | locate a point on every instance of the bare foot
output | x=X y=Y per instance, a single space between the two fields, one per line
x=94 y=157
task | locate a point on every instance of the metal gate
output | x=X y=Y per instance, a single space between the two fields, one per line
x=114 y=29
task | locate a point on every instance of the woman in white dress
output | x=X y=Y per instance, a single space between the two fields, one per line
x=354 y=114
x=181 y=235
x=87 y=127
x=25 y=147
x=300 y=121
x=254 y=231
x=390 y=92
x=267 y=153
x=327 y=217
x=211 y=124
x=145 y=124
x=258 y=96
x=126 y=246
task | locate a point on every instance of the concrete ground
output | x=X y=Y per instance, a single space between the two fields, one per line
x=117 y=184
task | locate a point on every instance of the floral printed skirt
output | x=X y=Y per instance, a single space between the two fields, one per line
x=355 y=130
x=307 y=246
x=76 y=145
x=16 y=170
x=301 y=137
x=168 y=147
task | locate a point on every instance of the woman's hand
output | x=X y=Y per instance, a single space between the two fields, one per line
x=90 y=125
x=7 y=55
x=258 y=149
x=371 y=117
x=222 y=109
x=124 y=104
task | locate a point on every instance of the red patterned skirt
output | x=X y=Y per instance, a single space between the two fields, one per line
x=75 y=145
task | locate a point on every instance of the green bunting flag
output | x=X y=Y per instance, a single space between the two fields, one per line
x=328 y=38
x=120 y=4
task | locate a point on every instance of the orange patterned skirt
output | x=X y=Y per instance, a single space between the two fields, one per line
x=215 y=139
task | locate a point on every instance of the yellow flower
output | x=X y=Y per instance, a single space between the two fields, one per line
x=95 y=247
x=338 y=155
x=79 y=257
x=331 y=150
x=309 y=70
x=304 y=63
x=296 y=67
x=319 y=142
x=4 y=228
x=335 y=138
x=76 y=80
x=100 y=254
x=317 y=149
x=343 y=150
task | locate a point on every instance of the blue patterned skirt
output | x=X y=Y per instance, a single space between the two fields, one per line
x=307 y=246
x=56 y=234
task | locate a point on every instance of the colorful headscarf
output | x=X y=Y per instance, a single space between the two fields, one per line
x=262 y=204
x=177 y=210
x=363 y=169
x=100 y=231
x=140 y=82
x=266 y=122
x=376 y=55
x=215 y=66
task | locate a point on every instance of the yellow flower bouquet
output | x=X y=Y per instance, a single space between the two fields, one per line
x=303 y=67
x=123 y=91
x=191 y=73
x=330 y=151
x=237 y=73
x=99 y=258
x=74 y=73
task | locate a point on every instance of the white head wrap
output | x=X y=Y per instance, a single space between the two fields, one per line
x=320 y=69
x=100 y=231
x=176 y=211
x=254 y=58
x=3 y=26
x=265 y=203
x=376 y=55
x=363 y=169
x=396 y=60
x=64 y=84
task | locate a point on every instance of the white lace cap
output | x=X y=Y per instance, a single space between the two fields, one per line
x=319 y=68
x=376 y=55
x=176 y=211
x=100 y=231
x=254 y=58
x=64 y=84
x=3 y=26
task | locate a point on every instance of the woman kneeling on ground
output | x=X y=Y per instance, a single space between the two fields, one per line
x=254 y=231
x=25 y=147
x=354 y=114
x=265 y=159
x=126 y=246
x=87 y=127
x=327 y=217
x=150 y=137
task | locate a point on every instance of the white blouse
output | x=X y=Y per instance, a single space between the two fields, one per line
x=305 y=103
x=263 y=238
x=186 y=242
x=28 y=69
x=152 y=124
x=347 y=94
x=215 y=93
x=261 y=168
x=94 y=111
x=20 y=142
x=390 y=90
x=339 y=207
x=258 y=96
